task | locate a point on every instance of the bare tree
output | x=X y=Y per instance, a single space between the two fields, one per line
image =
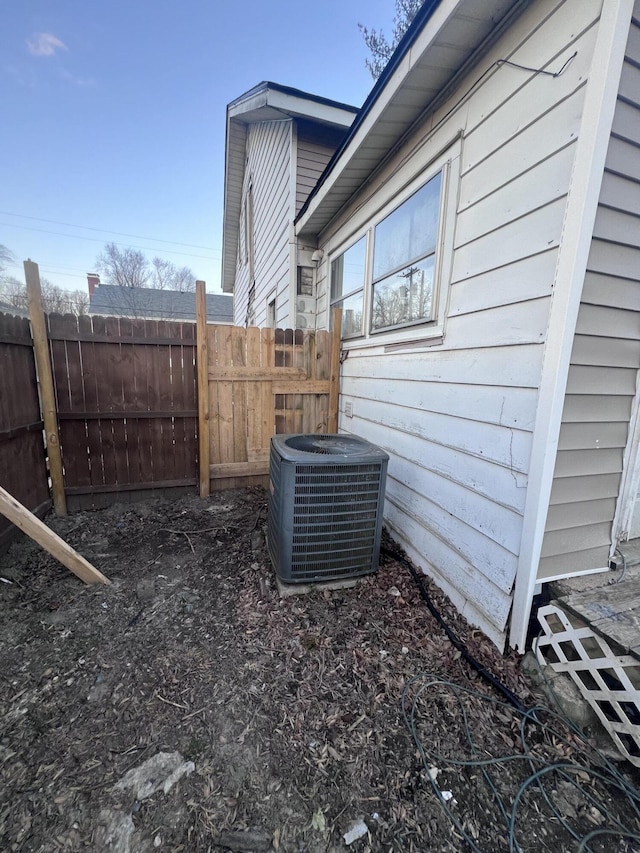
x=13 y=292
x=379 y=46
x=55 y=300
x=125 y=267
x=6 y=256
x=167 y=276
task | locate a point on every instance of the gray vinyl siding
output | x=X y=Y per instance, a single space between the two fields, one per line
x=605 y=357
x=312 y=157
x=268 y=169
x=457 y=418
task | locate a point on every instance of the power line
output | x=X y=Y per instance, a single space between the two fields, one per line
x=59 y=268
x=96 y=240
x=106 y=231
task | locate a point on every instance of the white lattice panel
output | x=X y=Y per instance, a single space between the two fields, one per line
x=609 y=682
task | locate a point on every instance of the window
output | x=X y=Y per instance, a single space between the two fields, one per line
x=271 y=311
x=388 y=280
x=347 y=287
x=404 y=248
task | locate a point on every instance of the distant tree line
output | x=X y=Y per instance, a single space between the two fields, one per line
x=130 y=268
x=56 y=300
x=125 y=267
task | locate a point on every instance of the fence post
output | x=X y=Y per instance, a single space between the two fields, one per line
x=334 y=387
x=45 y=379
x=202 y=362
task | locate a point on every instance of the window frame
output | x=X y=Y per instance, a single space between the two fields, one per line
x=354 y=291
x=418 y=332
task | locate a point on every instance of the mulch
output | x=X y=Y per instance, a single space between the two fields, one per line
x=289 y=709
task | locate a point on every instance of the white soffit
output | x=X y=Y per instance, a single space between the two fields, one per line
x=448 y=40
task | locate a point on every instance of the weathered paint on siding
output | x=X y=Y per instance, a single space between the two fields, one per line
x=605 y=357
x=268 y=149
x=457 y=418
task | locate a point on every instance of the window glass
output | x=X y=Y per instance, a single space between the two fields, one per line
x=351 y=314
x=404 y=296
x=347 y=271
x=409 y=232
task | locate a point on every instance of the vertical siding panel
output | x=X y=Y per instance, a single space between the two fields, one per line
x=267 y=171
x=606 y=355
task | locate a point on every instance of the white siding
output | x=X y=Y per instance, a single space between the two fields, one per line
x=268 y=170
x=605 y=358
x=457 y=418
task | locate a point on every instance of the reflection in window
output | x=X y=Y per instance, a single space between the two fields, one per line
x=404 y=296
x=404 y=259
x=347 y=287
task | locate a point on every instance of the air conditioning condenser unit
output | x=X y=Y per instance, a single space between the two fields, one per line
x=325 y=506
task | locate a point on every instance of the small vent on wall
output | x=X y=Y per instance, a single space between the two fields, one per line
x=348 y=408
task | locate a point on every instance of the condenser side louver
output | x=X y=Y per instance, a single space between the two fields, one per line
x=325 y=506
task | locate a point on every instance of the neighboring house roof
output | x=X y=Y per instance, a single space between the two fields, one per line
x=111 y=300
x=265 y=102
x=445 y=38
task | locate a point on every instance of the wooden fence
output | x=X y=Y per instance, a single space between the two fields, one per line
x=255 y=383
x=139 y=404
x=23 y=470
x=126 y=404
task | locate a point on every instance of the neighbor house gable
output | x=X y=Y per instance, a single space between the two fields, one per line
x=278 y=142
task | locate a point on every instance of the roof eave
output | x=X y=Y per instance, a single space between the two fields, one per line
x=409 y=63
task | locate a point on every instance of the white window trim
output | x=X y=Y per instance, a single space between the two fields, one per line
x=419 y=333
x=272 y=298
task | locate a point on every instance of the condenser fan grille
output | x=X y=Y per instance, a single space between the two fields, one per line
x=328 y=445
x=325 y=508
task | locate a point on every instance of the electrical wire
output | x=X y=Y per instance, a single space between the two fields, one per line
x=98 y=240
x=420 y=143
x=528 y=786
x=106 y=231
x=546 y=759
x=419 y=579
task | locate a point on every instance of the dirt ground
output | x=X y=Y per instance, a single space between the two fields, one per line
x=189 y=707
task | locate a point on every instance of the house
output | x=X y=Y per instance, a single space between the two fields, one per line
x=479 y=228
x=110 y=300
x=279 y=141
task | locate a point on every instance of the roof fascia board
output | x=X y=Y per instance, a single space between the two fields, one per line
x=291 y=106
x=439 y=17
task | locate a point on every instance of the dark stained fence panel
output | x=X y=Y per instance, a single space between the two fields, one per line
x=127 y=405
x=23 y=469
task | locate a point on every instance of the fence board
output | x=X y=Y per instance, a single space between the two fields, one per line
x=261 y=382
x=127 y=403
x=23 y=470
x=127 y=397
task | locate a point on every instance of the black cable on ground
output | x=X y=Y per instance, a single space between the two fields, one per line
x=545 y=761
x=419 y=579
x=529 y=786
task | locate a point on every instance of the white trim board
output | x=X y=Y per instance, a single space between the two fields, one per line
x=580 y=214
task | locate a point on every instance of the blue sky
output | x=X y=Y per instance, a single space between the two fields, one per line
x=113 y=116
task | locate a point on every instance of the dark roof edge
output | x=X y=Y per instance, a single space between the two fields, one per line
x=404 y=45
x=289 y=90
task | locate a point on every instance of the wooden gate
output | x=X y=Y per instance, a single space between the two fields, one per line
x=254 y=383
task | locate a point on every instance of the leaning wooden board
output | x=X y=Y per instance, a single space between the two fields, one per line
x=50 y=541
